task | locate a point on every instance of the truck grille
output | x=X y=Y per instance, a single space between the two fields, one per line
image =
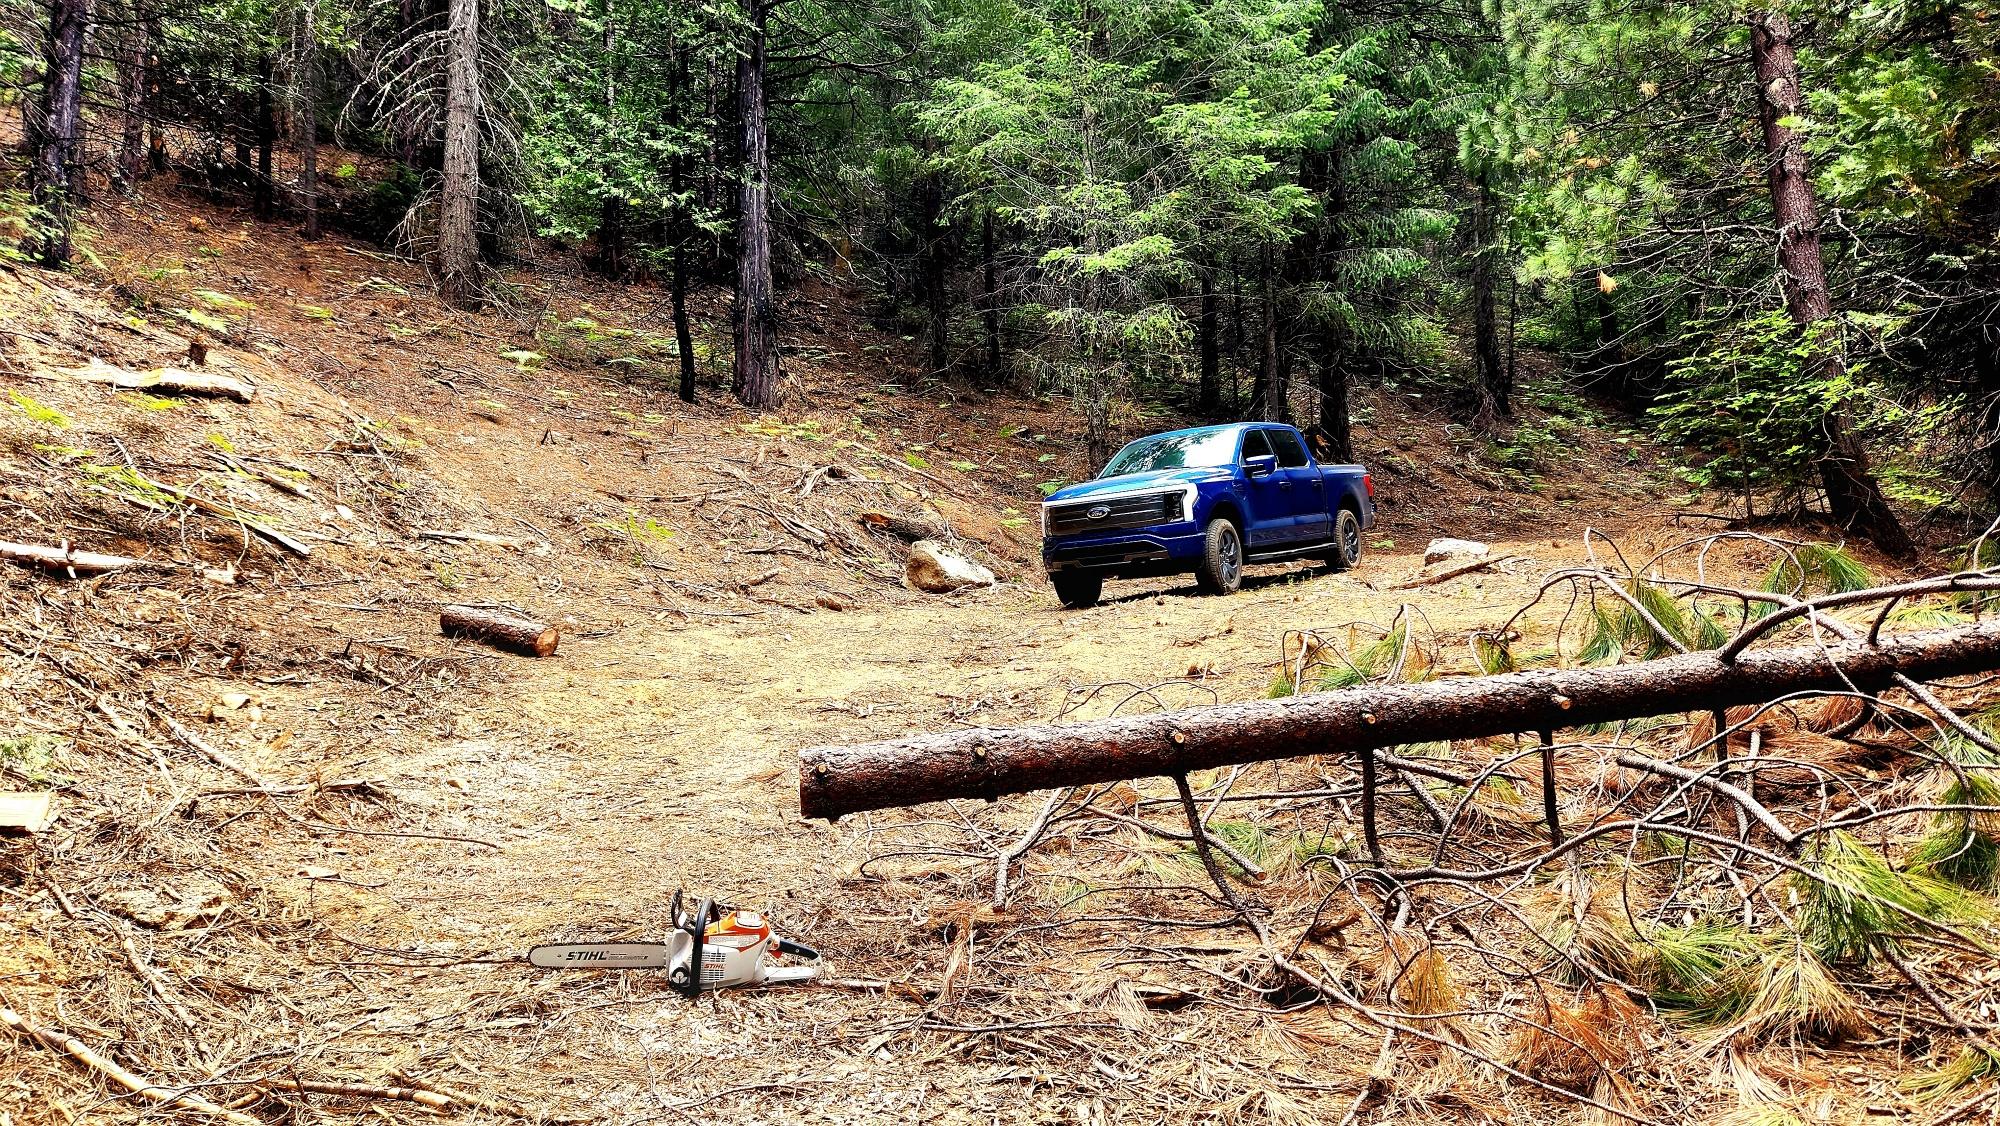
x=1074 y=516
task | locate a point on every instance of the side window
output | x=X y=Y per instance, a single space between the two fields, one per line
x=1255 y=444
x=1291 y=453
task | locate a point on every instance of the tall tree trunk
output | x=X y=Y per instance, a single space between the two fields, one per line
x=242 y=134
x=1334 y=409
x=458 y=211
x=1495 y=386
x=55 y=130
x=1853 y=494
x=932 y=268
x=408 y=14
x=132 y=100
x=305 y=115
x=1273 y=401
x=680 y=230
x=1209 y=397
x=267 y=138
x=1335 y=406
x=1237 y=343
x=611 y=210
x=756 y=376
x=156 y=139
x=987 y=253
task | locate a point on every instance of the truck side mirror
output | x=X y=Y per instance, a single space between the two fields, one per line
x=1261 y=465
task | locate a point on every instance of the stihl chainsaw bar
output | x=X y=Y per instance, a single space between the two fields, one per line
x=602 y=956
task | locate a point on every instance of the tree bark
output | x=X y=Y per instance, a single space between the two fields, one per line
x=1853 y=495
x=499 y=628
x=55 y=134
x=756 y=313
x=458 y=211
x=986 y=763
x=132 y=100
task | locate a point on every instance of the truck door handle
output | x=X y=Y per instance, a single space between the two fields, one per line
x=1284 y=484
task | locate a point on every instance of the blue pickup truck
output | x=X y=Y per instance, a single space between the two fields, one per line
x=1204 y=501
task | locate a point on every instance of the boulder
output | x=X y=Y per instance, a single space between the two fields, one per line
x=1445 y=549
x=936 y=569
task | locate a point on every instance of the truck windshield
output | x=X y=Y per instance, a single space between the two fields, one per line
x=1199 y=449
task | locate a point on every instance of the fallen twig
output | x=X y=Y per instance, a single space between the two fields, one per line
x=1467 y=568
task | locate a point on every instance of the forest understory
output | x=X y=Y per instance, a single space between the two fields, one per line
x=301 y=841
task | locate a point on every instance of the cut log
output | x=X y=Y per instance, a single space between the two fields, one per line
x=499 y=628
x=986 y=763
x=26 y=814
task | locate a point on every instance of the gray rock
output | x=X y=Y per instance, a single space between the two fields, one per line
x=1445 y=548
x=936 y=569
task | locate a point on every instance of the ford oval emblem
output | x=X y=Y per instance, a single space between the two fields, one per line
x=1098 y=511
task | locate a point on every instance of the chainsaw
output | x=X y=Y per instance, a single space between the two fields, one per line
x=714 y=947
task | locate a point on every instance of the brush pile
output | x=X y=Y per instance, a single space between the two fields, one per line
x=1726 y=906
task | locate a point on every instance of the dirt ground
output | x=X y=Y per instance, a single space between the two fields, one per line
x=724 y=601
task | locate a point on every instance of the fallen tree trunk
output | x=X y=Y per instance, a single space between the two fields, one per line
x=68 y=560
x=500 y=628
x=986 y=763
x=172 y=381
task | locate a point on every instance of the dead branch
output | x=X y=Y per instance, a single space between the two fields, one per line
x=144 y=1088
x=1441 y=576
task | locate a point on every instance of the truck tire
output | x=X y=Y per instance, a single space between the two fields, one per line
x=1078 y=590
x=1345 y=551
x=1221 y=569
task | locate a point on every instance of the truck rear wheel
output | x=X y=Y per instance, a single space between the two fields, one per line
x=1078 y=590
x=1221 y=570
x=1345 y=551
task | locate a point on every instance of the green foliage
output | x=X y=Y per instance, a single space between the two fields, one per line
x=1859 y=900
x=31 y=758
x=1616 y=628
x=1972 y=1064
x=1813 y=569
x=1753 y=396
x=1962 y=846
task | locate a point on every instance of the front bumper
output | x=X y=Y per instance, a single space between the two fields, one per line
x=1154 y=551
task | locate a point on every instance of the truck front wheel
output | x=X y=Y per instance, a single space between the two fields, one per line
x=1078 y=590
x=1221 y=569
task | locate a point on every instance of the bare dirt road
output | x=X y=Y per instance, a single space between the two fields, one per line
x=662 y=756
